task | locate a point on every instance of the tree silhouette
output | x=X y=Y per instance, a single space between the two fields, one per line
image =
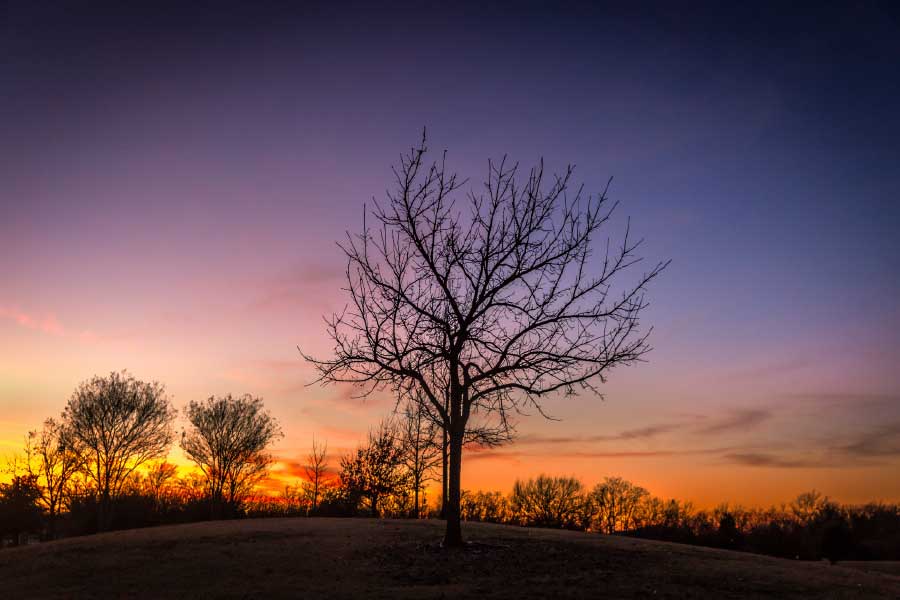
x=376 y=469
x=157 y=480
x=487 y=309
x=52 y=458
x=227 y=439
x=20 y=511
x=315 y=469
x=616 y=503
x=117 y=423
x=548 y=501
x=421 y=449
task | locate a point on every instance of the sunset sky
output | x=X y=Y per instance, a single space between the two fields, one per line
x=172 y=184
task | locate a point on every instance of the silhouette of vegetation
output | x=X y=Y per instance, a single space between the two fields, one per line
x=811 y=528
x=54 y=490
x=549 y=502
x=376 y=470
x=482 y=311
x=117 y=424
x=52 y=458
x=616 y=504
x=20 y=511
x=421 y=449
x=315 y=470
x=227 y=439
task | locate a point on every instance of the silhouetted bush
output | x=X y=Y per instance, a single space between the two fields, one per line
x=20 y=511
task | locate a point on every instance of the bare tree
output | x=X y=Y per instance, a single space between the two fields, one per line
x=315 y=469
x=52 y=459
x=807 y=505
x=422 y=449
x=227 y=439
x=375 y=471
x=616 y=504
x=486 y=309
x=118 y=423
x=158 y=477
x=549 y=501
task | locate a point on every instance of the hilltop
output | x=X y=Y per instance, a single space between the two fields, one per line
x=316 y=558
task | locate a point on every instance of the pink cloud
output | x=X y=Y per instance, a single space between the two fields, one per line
x=47 y=323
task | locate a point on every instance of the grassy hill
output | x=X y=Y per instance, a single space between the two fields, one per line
x=314 y=558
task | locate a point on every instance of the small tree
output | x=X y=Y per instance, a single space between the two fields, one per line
x=158 y=477
x=117 y=423
x=52 y=459
x=421 y=448
x=808 y=505
x=315 y=469
x=376 y=470
x=20 y=510
x=486 y=309
x=227 y=439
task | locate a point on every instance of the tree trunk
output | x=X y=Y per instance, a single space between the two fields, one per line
x=51 y=523
x=444 y=468
x=103 y=517
x=416 y=506
x=453 y=536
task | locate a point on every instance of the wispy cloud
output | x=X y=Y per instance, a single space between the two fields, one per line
x=739 y=420
x=760 y=459
x=516 y=454
x=768 y=370
x=629 y=434
x=47 y=323
x=295 y=287
x=879 y=442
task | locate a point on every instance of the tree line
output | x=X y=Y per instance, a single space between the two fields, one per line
x=811 y=527
x=110 y=445
x=103 y=466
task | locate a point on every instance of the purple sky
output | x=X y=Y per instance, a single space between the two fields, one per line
x=172 y=183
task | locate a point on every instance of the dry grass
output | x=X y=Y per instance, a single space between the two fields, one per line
x=316 y=558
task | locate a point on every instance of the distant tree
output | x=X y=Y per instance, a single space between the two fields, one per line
x=315 y=471
x=52 y=458
x=491 y=507
x=376 y=471
x=421 y=448
x=548 y=501
x=807 y=505
x=729 y=534
x=616 y=503
x=20 y=510
x=117 y=423
x=227 y=439
x=158 y=479
x=486 y=310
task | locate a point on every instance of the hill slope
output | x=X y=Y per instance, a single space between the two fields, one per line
x=313 y=558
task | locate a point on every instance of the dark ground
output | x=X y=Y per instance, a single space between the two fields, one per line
x=316 y=558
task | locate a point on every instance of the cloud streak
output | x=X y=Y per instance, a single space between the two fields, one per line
x=739 y=420
x=881 y=442
x=48 y=323
x=761 y=459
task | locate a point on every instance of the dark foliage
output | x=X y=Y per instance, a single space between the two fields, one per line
x=20 y=511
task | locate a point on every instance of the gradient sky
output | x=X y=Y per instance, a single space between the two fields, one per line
x=172 y=183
